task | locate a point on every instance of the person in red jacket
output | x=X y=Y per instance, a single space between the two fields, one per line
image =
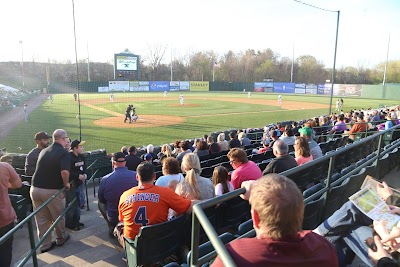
x=277 y=210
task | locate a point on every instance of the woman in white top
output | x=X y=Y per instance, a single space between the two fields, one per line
x=171 y=171
x=223 y=144
x=220 y=181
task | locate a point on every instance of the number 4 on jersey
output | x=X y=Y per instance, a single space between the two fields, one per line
x=141 y=216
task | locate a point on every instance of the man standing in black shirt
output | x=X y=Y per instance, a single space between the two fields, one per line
x=77 y=175
x=128 y=114
x=51 y=175
x=42 y=141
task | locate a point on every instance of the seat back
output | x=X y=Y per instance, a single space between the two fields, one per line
x=235 y=211
x=245 y=227
x=207 y=247
x=156 y=242
x=313 y=214
x=353 y=184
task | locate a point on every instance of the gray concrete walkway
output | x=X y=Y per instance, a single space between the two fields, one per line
x=91 y=246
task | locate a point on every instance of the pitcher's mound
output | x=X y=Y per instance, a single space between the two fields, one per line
x=185 y=105
x=144 y=121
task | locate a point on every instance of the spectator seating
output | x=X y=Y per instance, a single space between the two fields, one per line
x=313 y=213
x=156 y=242
x=207 y=247
x=353 y=184
x=245 y=227
x=18 y=202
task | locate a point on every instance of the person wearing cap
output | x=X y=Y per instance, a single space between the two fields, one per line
x=77 y=175
x=148 y=158
x=282 y=161
x=359 y=127
x=42 y=141
x=315 y=150
x=51 y=175
x=111 y=188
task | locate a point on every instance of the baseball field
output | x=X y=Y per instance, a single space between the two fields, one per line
x=162 y=119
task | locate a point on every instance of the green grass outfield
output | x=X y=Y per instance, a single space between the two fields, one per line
x=203 y=112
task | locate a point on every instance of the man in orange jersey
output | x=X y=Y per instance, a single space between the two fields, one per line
x=147 y=204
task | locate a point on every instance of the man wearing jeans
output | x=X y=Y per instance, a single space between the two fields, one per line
x=51 y=175
x=8 y=179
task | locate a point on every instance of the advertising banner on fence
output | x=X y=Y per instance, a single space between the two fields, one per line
x=300 y=88
x=349 y=89
x=264 y=87
x=144 y=83
x=102 y=89
x=173 y=85
x=285 y=88
x=136 y=87
x=159 y=86
x=118 y=86
x=199 y=86
x=184 y=86
x=311 y=89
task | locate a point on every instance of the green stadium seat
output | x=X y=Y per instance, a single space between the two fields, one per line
x=155 y=243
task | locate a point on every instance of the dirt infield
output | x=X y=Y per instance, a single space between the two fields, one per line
x=147 y=121
x=144 y=121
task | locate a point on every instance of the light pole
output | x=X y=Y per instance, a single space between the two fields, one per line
x=88 y=62
x=22 y=64
x=334 y=62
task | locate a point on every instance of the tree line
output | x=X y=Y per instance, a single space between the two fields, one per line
x=247 y=66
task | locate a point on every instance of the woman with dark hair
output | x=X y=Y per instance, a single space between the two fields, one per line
x=171 y=171
x=302 y=151
x=201 y=148
x=220 y=181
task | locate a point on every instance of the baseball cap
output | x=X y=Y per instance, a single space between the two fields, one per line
x=77 y=143
x=118 y=157
x=307 y=131
x=148 y=156
x=42 y=135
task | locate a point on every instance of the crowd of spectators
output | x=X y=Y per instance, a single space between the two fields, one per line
x=129 y=194
x=10 y=98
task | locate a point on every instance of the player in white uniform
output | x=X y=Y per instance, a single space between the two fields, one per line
x=337 y=105
x=248 y=94
x=165 y=93
x=111 y=98
x=181 y=100
x=279 y=99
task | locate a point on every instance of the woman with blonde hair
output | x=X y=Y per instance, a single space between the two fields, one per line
x=220 y=181
x=223 y=144
x=302 y=151
x=194 y=186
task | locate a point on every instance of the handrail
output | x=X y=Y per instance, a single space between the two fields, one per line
x=199 y=217
x=28 y=220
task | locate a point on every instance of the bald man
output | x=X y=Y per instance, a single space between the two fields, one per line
x=51 y=175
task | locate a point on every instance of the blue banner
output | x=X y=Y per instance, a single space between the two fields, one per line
x=285 y=88
x=159 y=86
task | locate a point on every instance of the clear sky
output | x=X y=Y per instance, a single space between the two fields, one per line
x=45 y=28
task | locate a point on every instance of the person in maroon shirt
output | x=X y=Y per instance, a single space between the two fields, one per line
x=277 y=210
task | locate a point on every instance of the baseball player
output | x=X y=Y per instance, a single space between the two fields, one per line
x=134 y=117
x=181 y=99
x=279 y=99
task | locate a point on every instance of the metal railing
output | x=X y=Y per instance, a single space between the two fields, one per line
x=200 y=218
x=28 y=220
